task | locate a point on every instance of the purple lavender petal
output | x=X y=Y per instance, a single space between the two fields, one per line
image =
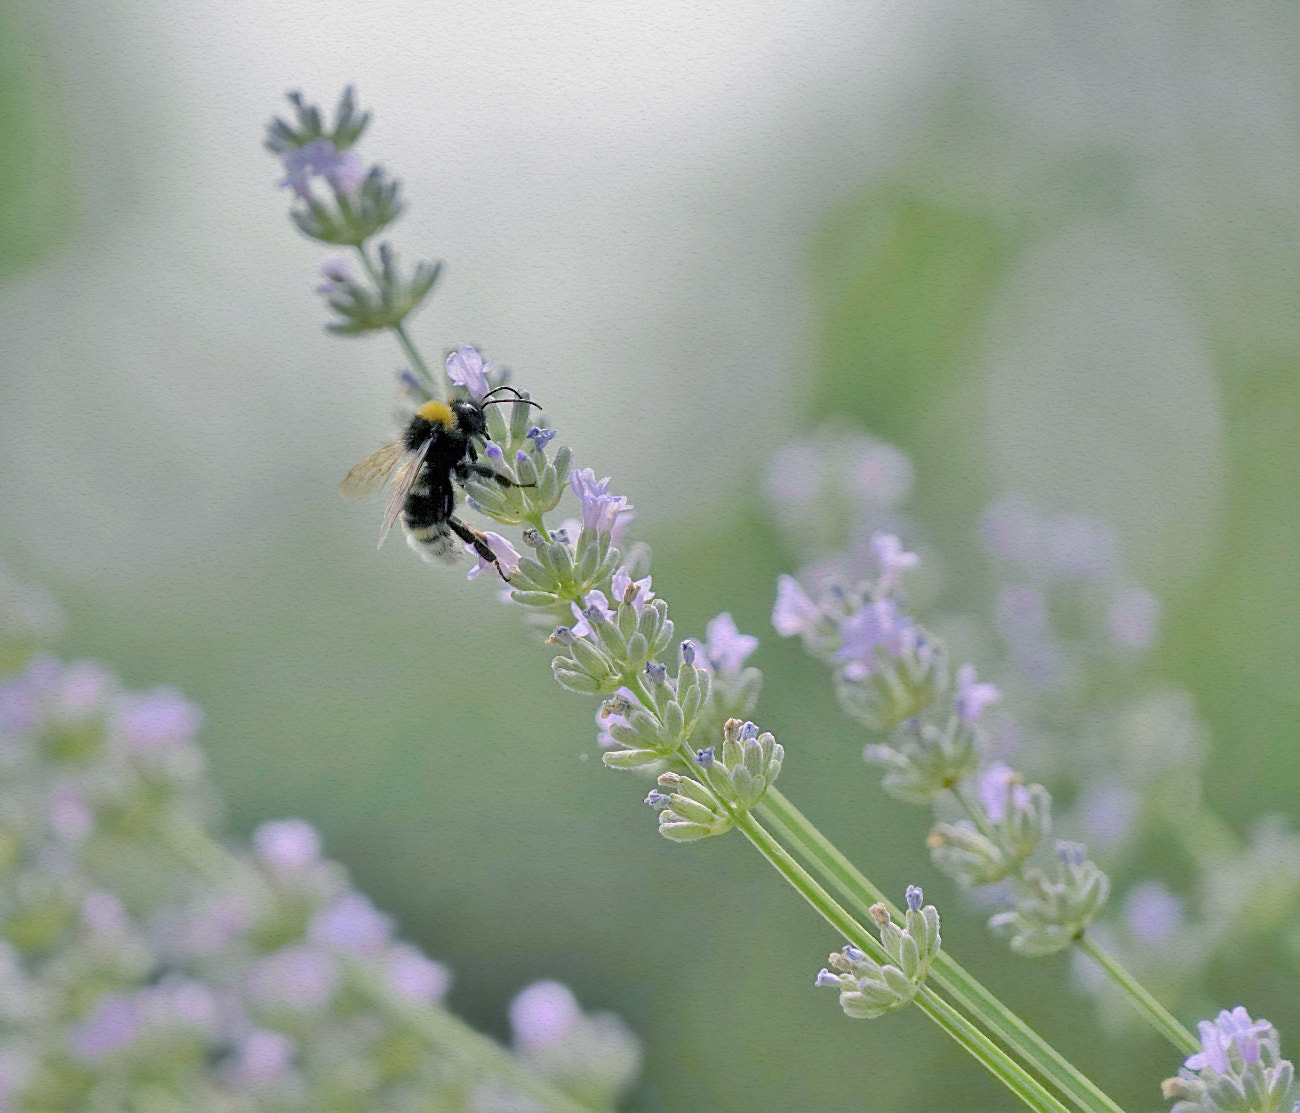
x=287 y=844
x=415 y=975
x=543 y=1014
x=465 y=368
x=157 y=720
x=114 y=1024
x=793 y=612
x=352 y=923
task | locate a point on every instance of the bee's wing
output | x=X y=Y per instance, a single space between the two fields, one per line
x=373 y=472
x=402 y=483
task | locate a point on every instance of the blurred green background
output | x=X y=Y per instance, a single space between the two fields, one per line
x=1044 y=249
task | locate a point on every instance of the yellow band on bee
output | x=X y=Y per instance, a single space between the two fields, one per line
x=436 y=413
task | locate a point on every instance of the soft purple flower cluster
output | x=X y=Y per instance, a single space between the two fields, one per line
x=1063 y=564
x=1226 y=1032
x=1239 y=1067
x=130 y=963
x=139 y=954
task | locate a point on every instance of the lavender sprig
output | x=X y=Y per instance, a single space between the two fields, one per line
x=614 y=634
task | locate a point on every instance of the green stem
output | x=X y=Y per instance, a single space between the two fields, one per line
x=1014 y=1033
x=1159 y=1017
x=412 y=353
x=993 y=1058
x=538 y=523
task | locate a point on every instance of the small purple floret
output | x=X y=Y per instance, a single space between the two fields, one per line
x=793 y=612
x=1000 y=785
x=415 y=975
x=601 y=511
x=894 y=561
x=465 y=368
x=343 y=170
x=505 y=553
x=972 y=698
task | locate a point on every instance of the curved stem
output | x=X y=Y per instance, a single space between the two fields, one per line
x=1159 y=1017
x=412 y=353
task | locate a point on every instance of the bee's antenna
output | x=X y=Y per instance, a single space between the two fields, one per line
x=496 y=390
x=499 y=401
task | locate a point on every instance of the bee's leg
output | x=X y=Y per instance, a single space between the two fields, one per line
x=466 y=470
x=478 y=542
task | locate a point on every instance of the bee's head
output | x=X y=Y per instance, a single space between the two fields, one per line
x=469 y=418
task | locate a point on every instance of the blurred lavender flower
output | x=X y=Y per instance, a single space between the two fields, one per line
x=338 y=274
x=300 y=977
x=591 y=1056
x=263 y=1055
x=287 y=844
x=164 y=964
x=157 y=720
x=1000 y=786
x=1152 y=913
x=971 y=698
x=879 y=624
x=1133 y=618
x=894 y=561
x=353 y=923
x=794 y=612
x=542 y=1014
x=727 y=648
x=343 y=170
x=415 y=975
x=115 y=1022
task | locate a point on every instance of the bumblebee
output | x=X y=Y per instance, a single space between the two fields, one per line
x=436 y=447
